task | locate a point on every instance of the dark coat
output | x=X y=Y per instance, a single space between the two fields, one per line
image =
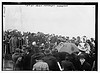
x=15 y=56
x=13 y=44
x=18 y=65
x=52 y=62
x=67 y=65
x=86 y=66
x=33 y=57
x=27 y=62
x=75 y=60
x=32 y=61
x=60 y=56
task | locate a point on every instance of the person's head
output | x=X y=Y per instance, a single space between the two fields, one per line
x=54 y=50
x=34 y=43
x=73 y=38
x=81 y=58
x=28 y=49
x=82 y=47
x=24 y=50
x=92 y=39
x=67 y=58
x=20 y=58
x=88 y=41
x=47 y=52
x=38 y=56
x=67 y=38
x=78 y=38
x=84 y=39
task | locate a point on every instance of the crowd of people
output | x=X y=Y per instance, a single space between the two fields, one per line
x=37 y=52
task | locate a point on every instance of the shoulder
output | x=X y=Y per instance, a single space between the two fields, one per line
x=36 y=65
x=87 y=64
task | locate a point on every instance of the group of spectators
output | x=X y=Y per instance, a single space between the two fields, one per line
x=36 y=51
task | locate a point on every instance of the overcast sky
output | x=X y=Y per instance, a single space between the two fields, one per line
x=68 y=20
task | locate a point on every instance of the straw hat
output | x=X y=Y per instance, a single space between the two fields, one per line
x=81 y=47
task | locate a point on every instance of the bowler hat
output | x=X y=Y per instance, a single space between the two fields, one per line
x=81 y=56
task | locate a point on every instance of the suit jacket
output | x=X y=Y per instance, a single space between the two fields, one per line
x=67 y=65
x=27 y=62
x=52 y=62
x=86 y=66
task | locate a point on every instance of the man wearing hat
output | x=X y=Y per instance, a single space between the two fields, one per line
x=33 y=58
x=26 y=58
x=16 y=57
x=51 y=61
x=35 y=47
x=67 y=65
x=84 y=48
x=40 y=65
x=84 y=66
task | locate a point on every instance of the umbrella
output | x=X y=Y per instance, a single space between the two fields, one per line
x=67 y=47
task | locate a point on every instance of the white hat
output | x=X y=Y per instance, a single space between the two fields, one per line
x=34 y=43
x=42 y=44
x=81 y=47
x=26 y=37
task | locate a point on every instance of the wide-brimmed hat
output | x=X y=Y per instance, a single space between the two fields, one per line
x=38 y=56
x=81 y=47
x=81 y=56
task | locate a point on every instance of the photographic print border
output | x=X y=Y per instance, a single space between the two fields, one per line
x=59 y=3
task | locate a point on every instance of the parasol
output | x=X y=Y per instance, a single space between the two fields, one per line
x=67 y=47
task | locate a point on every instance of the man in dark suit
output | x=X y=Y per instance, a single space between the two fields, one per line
x=67 y=65
x=33 y=57
x=51 y=61
x=27 y=59
x=17 y=60
x=84 y=66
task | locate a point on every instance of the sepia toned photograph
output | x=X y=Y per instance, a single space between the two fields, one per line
x=49 y=36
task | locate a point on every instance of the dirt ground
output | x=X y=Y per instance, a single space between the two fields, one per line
x=7 y=65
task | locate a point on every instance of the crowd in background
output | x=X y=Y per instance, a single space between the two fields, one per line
x=36 y=51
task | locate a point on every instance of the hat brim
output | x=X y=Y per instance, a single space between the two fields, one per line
x=82 y=49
